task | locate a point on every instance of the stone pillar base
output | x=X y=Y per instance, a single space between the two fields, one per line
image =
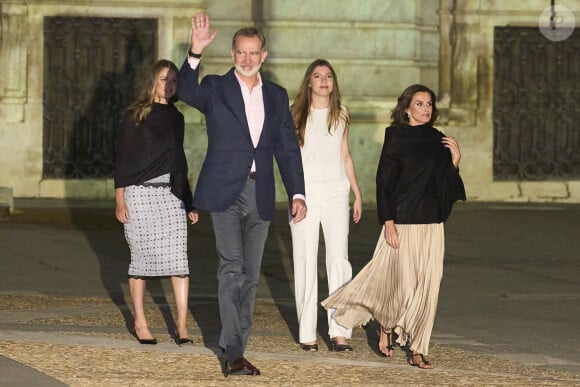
x=6 y=200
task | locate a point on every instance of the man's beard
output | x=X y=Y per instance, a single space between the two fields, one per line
x=248 y=73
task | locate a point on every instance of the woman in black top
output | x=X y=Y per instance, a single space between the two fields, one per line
x=417 y=183
x=153 y=195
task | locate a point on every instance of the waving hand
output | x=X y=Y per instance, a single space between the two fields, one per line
x=201 y=37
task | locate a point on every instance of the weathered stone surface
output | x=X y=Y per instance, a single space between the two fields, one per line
x=7 y=199
x=378 y=47
x=541 y=191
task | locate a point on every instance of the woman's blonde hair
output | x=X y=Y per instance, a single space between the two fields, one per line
x=141 y=108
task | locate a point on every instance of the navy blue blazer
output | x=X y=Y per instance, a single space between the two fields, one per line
x=230 y=150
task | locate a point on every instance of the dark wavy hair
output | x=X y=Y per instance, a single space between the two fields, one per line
x=301 y=106
x=398 y=114
x=141 y=108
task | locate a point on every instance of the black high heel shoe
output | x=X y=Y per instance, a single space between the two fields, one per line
x=309 y=347
x=335 y=347
x=182 y=340
x=152 y=341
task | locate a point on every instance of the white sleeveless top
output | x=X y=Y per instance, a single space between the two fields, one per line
x=322 y=153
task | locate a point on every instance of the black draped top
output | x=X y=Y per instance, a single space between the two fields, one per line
x=152 y=149
x=416 y=180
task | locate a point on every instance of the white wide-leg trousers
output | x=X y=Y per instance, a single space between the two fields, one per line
x=328 y=206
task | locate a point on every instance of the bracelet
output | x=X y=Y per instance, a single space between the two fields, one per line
x=193 y=55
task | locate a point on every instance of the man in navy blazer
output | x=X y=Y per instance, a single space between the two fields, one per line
x=248 y=124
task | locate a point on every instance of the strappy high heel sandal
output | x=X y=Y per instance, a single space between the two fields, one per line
x=390 y=342
x=418 y=360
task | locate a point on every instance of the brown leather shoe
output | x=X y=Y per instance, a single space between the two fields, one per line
x=241 y=367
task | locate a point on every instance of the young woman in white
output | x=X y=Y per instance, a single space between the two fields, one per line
x=322 y=125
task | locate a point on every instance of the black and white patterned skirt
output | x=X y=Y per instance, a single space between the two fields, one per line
x=157 y=230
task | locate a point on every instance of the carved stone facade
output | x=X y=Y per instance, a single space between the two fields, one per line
x=378 y=47
x=467 y=87
x=21 y=88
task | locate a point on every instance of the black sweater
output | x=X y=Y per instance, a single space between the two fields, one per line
x=152 y=149
x=416 y=180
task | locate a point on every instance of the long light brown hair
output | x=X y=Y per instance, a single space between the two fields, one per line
x=141 y=108
x=301 y=106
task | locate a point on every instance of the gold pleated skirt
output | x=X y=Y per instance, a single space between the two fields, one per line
x=398 y=288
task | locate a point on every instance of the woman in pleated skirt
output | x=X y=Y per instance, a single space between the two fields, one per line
x=417 y=183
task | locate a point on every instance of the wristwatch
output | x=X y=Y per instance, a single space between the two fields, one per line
x=193 y=54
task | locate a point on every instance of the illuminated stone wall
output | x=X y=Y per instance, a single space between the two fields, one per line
x=378 y=47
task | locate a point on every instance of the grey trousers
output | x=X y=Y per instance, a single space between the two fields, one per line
x=240 y=236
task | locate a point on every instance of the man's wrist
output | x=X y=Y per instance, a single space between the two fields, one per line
x=299 y=196
x=193 y=54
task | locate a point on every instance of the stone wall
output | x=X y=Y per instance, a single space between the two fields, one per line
x=21 y=87
x=466 y=86
x=378 y=47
